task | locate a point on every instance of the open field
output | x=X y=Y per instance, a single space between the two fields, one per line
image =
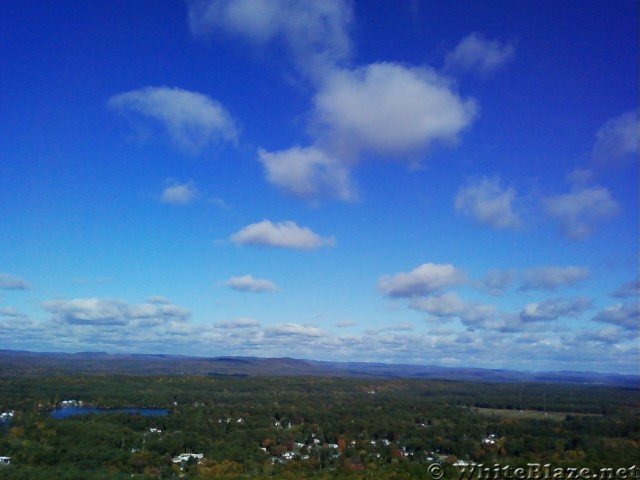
x=530 y=414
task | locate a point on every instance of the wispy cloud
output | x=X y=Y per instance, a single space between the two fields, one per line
x=629 y=289
x=11 y=282
x=247 y=283
x=237 y=323
x=554 y=308
x=285 y=234
x=315 y=34
x=474 y=53
x=158 y=299
x=581 y=209
x=345 y=323
x=192 y=120
x=552 y=278
x=497 y=281
x=486 y=202
x=617 y=140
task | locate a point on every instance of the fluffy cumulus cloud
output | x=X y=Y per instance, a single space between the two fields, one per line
x=554 y=308
x=474 y=53
x=11 y=282
x=285 y=234
x=192 y=120
x=315 y=34
x=308 y=173
x=388 y=109
x=247 y=283
x=110 y=311
x=489 y=204
x=179 y=193
x=552 y=278
x=384 y=109
x=581 y=209
x=617 y=140
x=422 y=280
x=625 y=315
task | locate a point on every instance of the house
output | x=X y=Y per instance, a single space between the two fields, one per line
x=463 y=463
x=5 y=460
x=490 y=439
x=183 y=457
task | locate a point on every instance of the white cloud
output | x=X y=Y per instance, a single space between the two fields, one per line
x=489 y=204
x=247 y=283
x=282 y=234
x=179 y=193
x=90 y=311
x=422 y=280
x=316 y=34
x=384 y=109
x=11 y=282
x=110 y=311
x=617 y=140
x=308 y=173
x=554 y=308
x=552 y=278
x=388 y=109
x=581 y=209
x=192 y=120
x=237 y=323
x=625 y=315
x=451 y=305
x=475 y=53
x=295 y=330
x=445 y=305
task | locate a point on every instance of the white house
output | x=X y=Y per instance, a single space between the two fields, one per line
x=183 y=457
x=5 y=460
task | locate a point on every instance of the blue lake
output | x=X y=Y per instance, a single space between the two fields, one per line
x=65 y=412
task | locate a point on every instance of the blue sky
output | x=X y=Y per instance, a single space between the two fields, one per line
x=447 y=182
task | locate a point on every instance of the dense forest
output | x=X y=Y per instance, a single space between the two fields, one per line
x=219 y=427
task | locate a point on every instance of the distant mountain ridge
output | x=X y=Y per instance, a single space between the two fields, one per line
x=14 y=362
